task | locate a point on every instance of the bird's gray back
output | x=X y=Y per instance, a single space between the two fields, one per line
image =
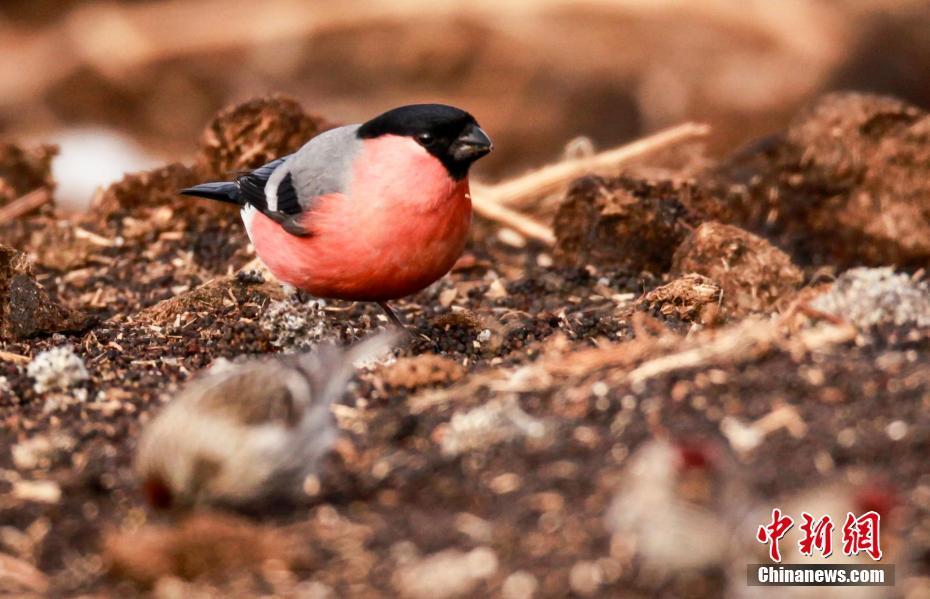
x=324 y=164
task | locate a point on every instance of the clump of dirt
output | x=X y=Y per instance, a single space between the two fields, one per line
x=621 y=223
x=847 y=183
x=841 y=134
x=142 y=200
x=205 y=546
x=26 y=308
x=32 y=312
x=251 y=134
x=62 y=245
x=753 y=274
x=422 y=370
x=12 y=263
x=23 y=170
x=210 y=297
x=690 y=298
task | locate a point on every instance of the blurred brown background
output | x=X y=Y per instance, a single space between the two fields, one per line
x=536 y=73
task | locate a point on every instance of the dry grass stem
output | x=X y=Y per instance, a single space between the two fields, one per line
x=551 y=178
x=24 y=205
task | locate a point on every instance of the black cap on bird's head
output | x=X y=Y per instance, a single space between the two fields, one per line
x=448 y=133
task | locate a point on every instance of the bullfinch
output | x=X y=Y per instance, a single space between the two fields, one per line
x=249 y=433
x=366 y=212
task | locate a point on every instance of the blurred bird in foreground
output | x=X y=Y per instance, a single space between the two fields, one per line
x=366 y=212
x=249 y=433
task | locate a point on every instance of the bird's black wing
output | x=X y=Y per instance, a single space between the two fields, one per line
x=252 y=191
x=321 y=167
x=252 y=188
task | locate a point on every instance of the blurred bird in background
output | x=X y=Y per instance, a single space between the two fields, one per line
x=369 y=212
x=675 y=512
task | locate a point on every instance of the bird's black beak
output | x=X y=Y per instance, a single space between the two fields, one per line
x=471 y=145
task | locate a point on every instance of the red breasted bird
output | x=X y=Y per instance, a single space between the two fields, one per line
x=369 y=212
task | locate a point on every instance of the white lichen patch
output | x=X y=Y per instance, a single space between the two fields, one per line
x=869 y=297
x=294 y=325
x=57 y=369
x=494 y=422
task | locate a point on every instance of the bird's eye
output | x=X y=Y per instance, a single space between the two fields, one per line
x=425 y=138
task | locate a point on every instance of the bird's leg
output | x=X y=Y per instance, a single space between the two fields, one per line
x=399 y=324
x=391 y=315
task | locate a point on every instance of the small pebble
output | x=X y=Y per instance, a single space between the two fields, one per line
x=519 y=585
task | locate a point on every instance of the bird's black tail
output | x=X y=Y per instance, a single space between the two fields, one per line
x=223 y=191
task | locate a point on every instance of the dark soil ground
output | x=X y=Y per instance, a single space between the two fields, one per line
x=431 y=485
